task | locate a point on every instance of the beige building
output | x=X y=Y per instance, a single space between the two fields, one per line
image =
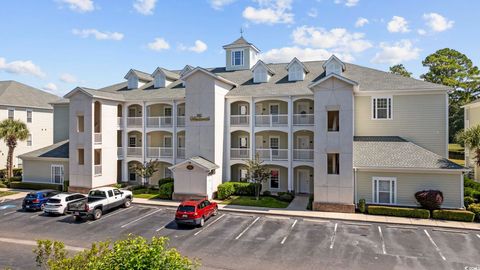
x=339 y=131
x=472 y=118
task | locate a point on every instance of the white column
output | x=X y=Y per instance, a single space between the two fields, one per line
x=174 y=135
x=290 y=144
x=252 y=128
x=228 y=143
x=144 y=133
x=124 y=143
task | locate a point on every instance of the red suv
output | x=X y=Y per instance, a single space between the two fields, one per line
x=195 y=212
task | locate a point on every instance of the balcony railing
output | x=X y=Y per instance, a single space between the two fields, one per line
x=239 y=120
x=159 y=122
x=119 y=122
x=303 y=154
x=159 y=152
x=271 y=120
x=134 y=151
x=134 y=122
x=97 y=170
x=272 y=154
x=180 y=121
x=239 y=153
x=303 y=119
x=120 y=152
x=181 y=152
x=97 y=138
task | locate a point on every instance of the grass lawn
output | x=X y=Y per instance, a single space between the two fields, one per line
x=455 y=147
x=458 y=161
x=270 y=202
x=145 y=193
x=6 y=193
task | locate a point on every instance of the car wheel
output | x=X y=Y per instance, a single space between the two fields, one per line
x=64 y=211
x=202 y=222
x=215 y=211
x=76 y=218
x=97 y=214
x=127 y=203
x=42 y=207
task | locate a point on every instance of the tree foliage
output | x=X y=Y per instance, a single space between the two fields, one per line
x=471 y=138
x=257 y=173
x=130 y=253
x=145 y=170
x=400 y=70
x=12 y=131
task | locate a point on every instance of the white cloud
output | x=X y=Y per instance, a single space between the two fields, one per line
x=159 y=44
x=80 y=5
x=361 y=22
x=421 y=32
x=313 y=12
x=99 y=35
x=437 y=22
x=270 y=12
x=50 y=87
x=199 y=47
x=396 y=53
x=398 y=25
x=286 y=54
x=21 y=67
x=348 y=3
x=68 y=78
x=219 y=4
x=144 y=7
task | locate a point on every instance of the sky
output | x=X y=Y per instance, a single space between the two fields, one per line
x=56 y=45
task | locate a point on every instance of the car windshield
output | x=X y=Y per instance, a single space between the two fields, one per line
x=186 y=208
x=32 y=195
x=97 y=193
x=54 y=201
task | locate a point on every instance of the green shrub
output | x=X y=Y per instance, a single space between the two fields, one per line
x=286 y=197
x=228 y=189
x=166 y=191
x=225 y=190
x=362 y=207
x=66 y=184
x=310 y=202
x=164 y=181
x=471 y=192
x=35 y=186
x=471 y=184
x=398 y=211
x=267 y=193
x=475 y=208
x=17 y=172
x=2 y=185
x=468 y=200
x=15 y=179
x=456 y=215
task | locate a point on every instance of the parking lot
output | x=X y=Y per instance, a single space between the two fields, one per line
x=241 y=241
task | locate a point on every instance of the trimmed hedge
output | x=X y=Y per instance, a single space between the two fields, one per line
x=164 y=181
x=225 y=190
x=35 y=186
x=475 y=208
x=456 y=215
x=467 y=200
x=166 y=191
x=398 y=211
x=362 y=206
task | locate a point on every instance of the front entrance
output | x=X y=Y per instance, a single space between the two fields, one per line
x=303 y=177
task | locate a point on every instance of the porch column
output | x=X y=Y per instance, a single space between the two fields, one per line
x=174 y=136
x=228 y=144
x=290 y=144
x=144 y=133
x=124 y=143
x=252 y=128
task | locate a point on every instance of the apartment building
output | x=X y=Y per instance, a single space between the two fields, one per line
x=471 y=119
x=339 y=131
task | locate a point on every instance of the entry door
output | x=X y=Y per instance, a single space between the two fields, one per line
x=303 y=142
x=167 y=141
x=168 y=114
x=274 y=144
x=274 y=111
x=57 y=174
x=304 y=181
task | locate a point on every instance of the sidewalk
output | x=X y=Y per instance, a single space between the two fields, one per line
x=21 y=193
x=327 y=215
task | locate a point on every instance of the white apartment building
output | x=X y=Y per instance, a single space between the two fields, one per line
x=339 y=131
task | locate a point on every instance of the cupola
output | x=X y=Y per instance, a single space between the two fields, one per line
x=240 y=55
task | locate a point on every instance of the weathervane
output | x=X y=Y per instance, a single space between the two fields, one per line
x=241 y=31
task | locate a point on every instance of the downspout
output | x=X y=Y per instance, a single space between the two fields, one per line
x=355 y=195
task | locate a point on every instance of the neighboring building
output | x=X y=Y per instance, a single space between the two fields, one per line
x=471 y=119
x=339 y=131
x=30 y=105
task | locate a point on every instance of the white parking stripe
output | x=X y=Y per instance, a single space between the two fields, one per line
x=109 y=215
x=8 y=213
x=210 y=224
x=435 y=245
x=34 y=243
x=478 y=235
x=332 y=240
x=248 y=227
x=286 y=236
x=163 y=227
x=383 y=241
x=140 y=218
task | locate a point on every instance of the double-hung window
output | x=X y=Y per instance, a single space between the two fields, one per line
x=29 y=116
x=384 y=190
x=382 y=108
x=11 y=113
x=333 y=163
x=237 y=58
x=29 y=140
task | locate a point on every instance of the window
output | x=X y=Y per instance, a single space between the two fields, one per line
x=29 y=116
x=333 y=164
x=11 y=113
x=382 y=108
x=167 y=173
x=81 y=156
x=243 y=142
x=29 y=140
x=117 y=192
x=132 y=142
x=132 y=177
x=274 y=179
x=80 y=123
x=237 y=58
x=274 y=145
x=333 y=121
x=168 y=111
x=242 y=174
x=110 y=193
x=260 y=75
x=57 y=174
x=295 y=72
x=167 y=141
x=384 y=190
x=243 y=109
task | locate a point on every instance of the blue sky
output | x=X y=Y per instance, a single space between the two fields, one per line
x=59 y=44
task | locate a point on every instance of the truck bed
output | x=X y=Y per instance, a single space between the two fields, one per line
x=79 y=206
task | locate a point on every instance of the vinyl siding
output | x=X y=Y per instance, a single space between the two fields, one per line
x=420 y=119
x=39 y=171
x=60 y=123
x=409 y=183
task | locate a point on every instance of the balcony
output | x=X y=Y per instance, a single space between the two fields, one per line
x=97 y=138
x=239 y=153
x=239 y=120
x=181 y=152
x=303 y=154
x=134 y=122
x=159 y=152
x=303 y=120
x=272 y=154
x=97 y=170
x=134 y=152
x=119 y=152
x=271 y=120
x=160 y=122
x=180 y=121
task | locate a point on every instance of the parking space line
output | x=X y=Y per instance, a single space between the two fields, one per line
x=400 y=227
x=435 y=245
x=448 y=231
x=286 y=236
x=478 y=235
x=356 y=224
x=140 y=218
x=163 y=227
x=34 y=243
x=246 y=229
x=332 y=240
x=316 y=220
x=8 y=213
x=109 y=215
x=210 y=224
x=383 y=241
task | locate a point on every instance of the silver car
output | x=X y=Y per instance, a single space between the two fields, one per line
x=58 y=203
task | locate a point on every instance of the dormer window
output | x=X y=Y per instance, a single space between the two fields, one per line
x=237 y=58
x=159 y=81
x=334 y=65
x=261 y=72
x=132 y=82
x=296 y=70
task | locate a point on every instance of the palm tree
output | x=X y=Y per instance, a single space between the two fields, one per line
x=12 y=131
x=471 y=138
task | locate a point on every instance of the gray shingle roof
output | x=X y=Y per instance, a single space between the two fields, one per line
x=204 y=162
x=13 y=93
x=395 y=152
x=57 y=150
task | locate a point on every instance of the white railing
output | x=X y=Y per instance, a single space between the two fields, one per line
x=160 y=121
x=159 y=152
x=134 y=151
x=239 y=153
x=239 y=120
x=180 y=121
x=120 y=152
x=97 y=170
x=303 y=119
x=181 y=152
x=272 y=154
x=97 y=138
x=120 y=122
x=271 y=120
x=134 y=122
x=303 y=154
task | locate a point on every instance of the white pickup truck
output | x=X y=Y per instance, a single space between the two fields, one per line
x=100 y=200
